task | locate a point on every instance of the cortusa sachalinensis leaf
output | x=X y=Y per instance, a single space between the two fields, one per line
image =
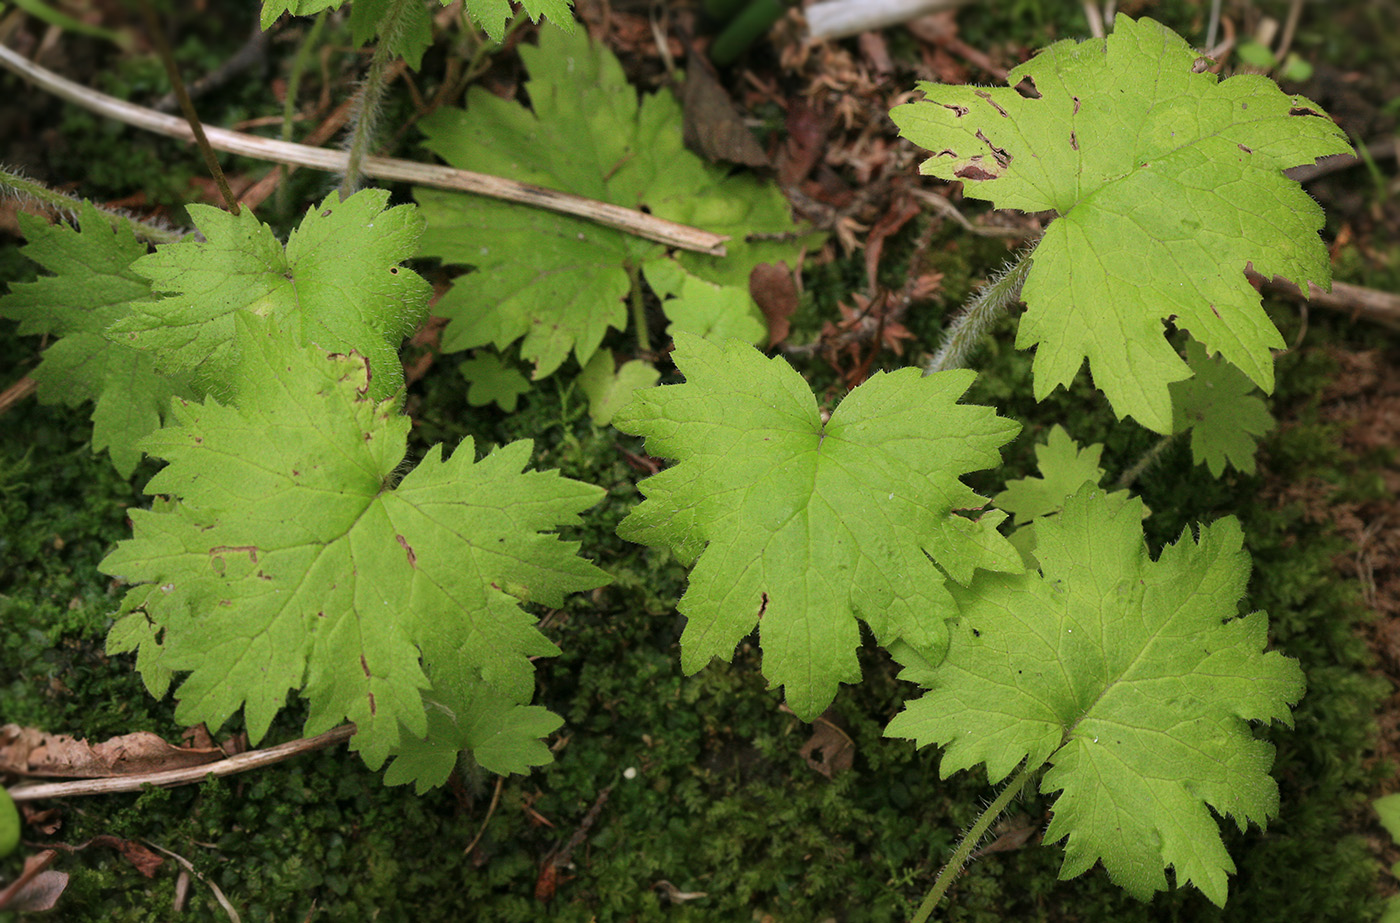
x=338 y=283
x=1223 y=411
x=293 y=558
x=1164 y=181
x=92 y=286
x=1134 y=680
x=558 y=282
x=802 y=525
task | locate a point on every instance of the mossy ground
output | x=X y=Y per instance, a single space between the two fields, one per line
x=722 y=801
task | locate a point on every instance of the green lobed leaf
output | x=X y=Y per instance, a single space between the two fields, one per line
x=491 y=15
x=91 y=287
x=338 y=284
x=609 y=390
x=1064 y=468
x=1218 y=405
x=493 y=381
x=706 y=309
x=560 y=282
x=1165 y=182
x=503 y=737
x=1388 y=810
x=1134 y=680
x=134 y=631
x=801 y=525
x=292 y=559
x=9 y=824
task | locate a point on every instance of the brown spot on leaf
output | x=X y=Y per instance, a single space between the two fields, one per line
x=958 y=111
x=364 y=665
x=974 y=172
x=1245 y=149
x=763 y=606
x=1076 y=104
x=250 y=550
x=988 y=97
x=408 y=549
x=1073 y=141
x=1003 y=158
x=1303 y=110
x=373 y=709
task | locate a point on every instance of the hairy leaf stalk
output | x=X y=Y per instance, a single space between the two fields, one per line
x=365 y=121
x=1149 y=458
x=954 y=866
x=980 y=313
x=27 y=191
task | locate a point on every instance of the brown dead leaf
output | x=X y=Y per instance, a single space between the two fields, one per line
x=901 y=211
x=773 y=288
x=34 y=889
x=712 y=125
x=834 y=749
x=805 y=143
x=1012 y=834
x=27 y=751
x=46 y=821
x=142 y=859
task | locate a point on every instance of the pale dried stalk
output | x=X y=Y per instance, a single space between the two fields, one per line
x=833 y=19
x=386 y=168
x=242 y=762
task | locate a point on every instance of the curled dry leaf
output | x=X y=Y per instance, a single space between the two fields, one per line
x=830 y=750
x=27 y=751
x=675 y=895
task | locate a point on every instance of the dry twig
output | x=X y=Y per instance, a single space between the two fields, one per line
x=253 y=759
x=605 y=213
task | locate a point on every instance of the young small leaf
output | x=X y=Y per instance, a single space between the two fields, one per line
x=503 y=737
x=338 y=284
x=292 y=560
x=608 y=391
x=493 y=381
x=802 y=526
x=1218 y=405
x=1165 y=181
x=92 y=287
x=1134 y=680
x=1064 y=468
x=706 y=309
